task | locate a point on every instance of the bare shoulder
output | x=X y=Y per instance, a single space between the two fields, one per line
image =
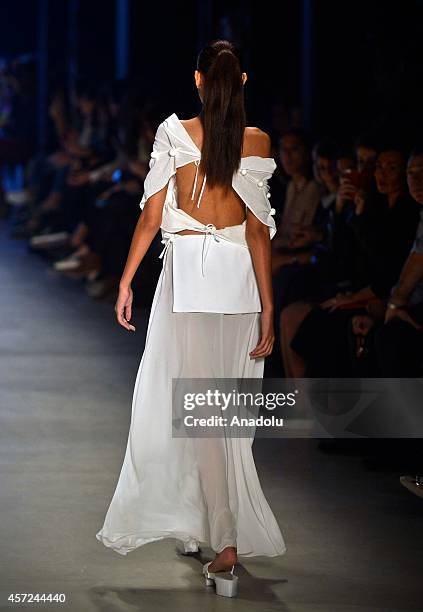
x=193 y=123
x=194 y=129
x=257 y=142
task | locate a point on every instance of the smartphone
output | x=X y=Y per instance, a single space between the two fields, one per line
x=361 y=179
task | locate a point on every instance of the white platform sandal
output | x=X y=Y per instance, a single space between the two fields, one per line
x=226 y=582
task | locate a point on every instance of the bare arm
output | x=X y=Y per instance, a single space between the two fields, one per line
x=411 y=275
x=258 y=240
x=147 y=227
x=343 y=299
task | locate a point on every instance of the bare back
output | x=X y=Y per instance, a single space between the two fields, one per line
x=223 y=210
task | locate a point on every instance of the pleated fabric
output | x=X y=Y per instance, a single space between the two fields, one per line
x=197 y=490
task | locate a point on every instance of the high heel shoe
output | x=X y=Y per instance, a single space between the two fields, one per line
x=226 y=582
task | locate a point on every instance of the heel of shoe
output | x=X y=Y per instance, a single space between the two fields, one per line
x=226 y=583
x=227 y=587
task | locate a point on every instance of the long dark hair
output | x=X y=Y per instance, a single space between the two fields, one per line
x=223 y=113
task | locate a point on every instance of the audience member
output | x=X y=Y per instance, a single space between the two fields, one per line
x=399 y=342
x=331 y=339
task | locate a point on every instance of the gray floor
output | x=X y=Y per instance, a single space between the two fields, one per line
x=354 y=537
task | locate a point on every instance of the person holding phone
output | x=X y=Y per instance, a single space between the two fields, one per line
x=321 y=336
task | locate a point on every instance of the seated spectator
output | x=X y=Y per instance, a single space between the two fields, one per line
x=399 y=342
x=332 y=227
x=330 y=231
x=111 y=210
x=359 y=182
x=303 y=192
x=291 y=261
x=86 y=145
x=291 y=251
x=328 y=340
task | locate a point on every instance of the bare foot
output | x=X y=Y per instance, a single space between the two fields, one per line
x=224 y=560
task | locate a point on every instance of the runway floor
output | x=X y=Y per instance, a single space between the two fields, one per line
x=354 y=537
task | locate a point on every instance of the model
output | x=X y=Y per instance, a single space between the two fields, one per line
x=211 y=317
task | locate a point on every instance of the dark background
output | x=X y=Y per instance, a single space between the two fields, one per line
x=340 y=67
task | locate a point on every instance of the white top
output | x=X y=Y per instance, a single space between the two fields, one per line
x=173 y=147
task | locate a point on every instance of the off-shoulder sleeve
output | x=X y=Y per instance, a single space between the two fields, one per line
x=251 y=183
x=162 y=165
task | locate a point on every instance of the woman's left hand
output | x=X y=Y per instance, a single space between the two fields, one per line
x=401 y=313
x=123 y=307
x=267 y=336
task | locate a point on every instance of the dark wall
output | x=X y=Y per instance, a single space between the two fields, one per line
x=18 y=32
x=366 y=56
x=96 y=38
x=368 y=65
x=163 y=53
x=167 y=36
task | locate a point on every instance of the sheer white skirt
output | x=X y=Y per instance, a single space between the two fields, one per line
x=197 y=490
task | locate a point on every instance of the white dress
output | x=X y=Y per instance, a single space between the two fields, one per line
x=197 y=490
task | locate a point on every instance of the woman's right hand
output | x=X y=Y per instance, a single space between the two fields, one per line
x=346 y=192
x=123 y=307
x=360 y=202
x=267 y=337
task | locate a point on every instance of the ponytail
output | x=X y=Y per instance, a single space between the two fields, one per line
x=223 y=112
